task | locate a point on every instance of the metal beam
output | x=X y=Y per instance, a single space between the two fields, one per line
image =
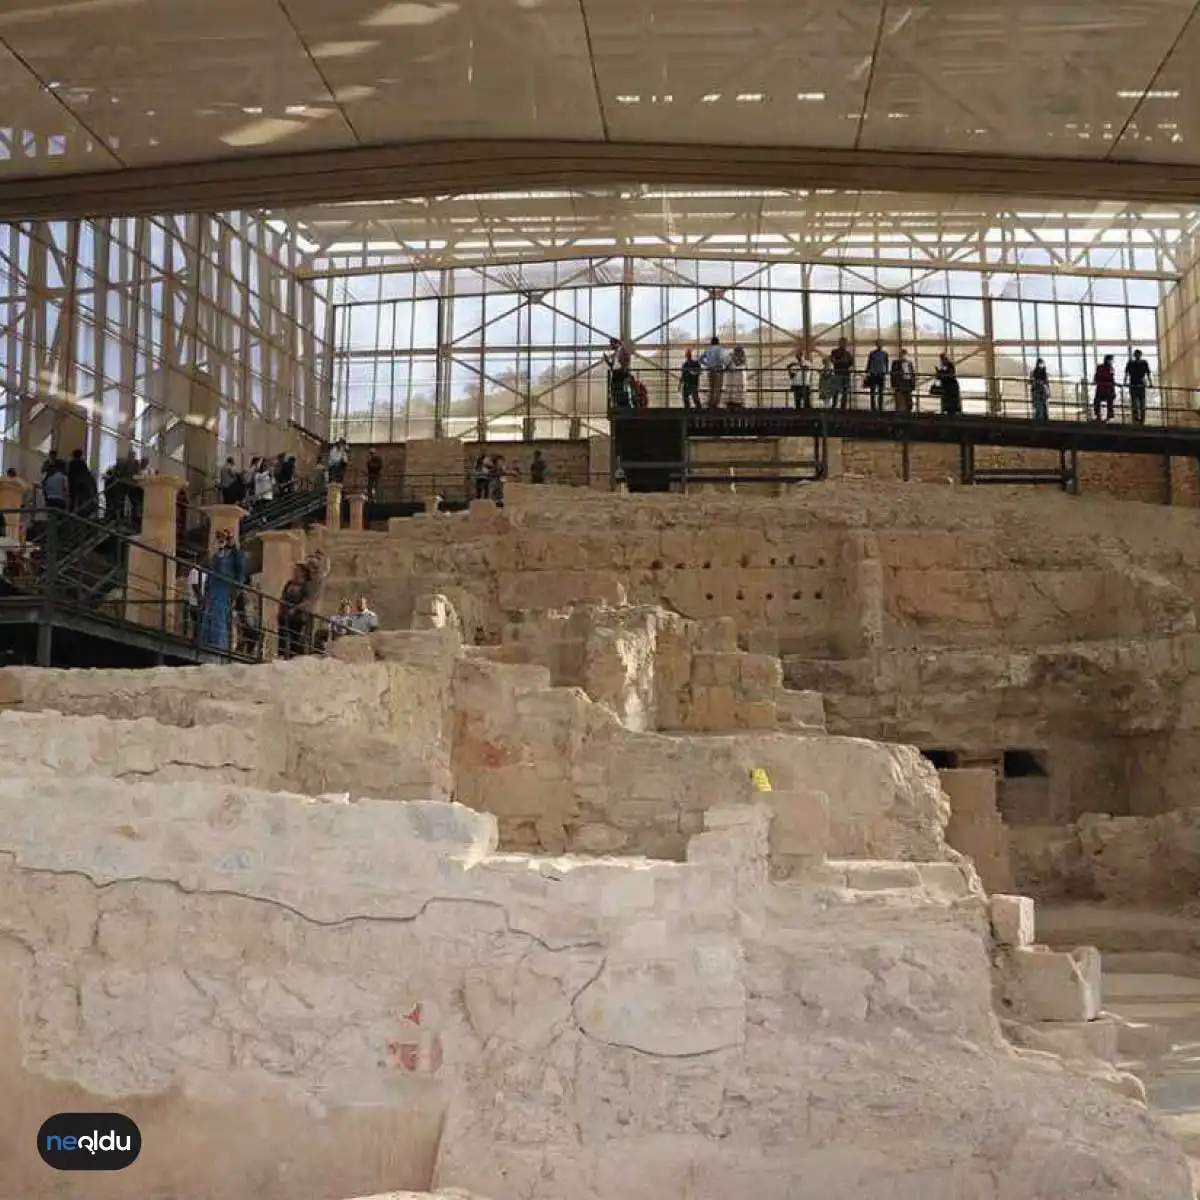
x=447 y=167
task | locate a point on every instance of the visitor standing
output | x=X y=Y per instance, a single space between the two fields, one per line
x=904 y=382
x=339 y=457
x=82 y=485
x=1105 y=397
x=291 y=616
x=374 y=474
x=264 y=485
x=496 y=477
x=229 y=483
x=689 y=381
x=227 y=575
x=947 y=387
x=878 y=364
x=482 y=475
x=194 y=601
x=1039 y=390
x=735 y=379
x=364 y=619
x=56 y=488
x=713 y=361
x=537 y=468
x=800 y=372
x=1137 y=376
x=842 y=361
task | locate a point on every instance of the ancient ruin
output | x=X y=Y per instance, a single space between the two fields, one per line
x=659 y=847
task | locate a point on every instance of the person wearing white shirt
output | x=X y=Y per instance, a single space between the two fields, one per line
x=800 y=373
x=339 y=456
x=714 y=361
x=264 y=485
x=194 y=601
x=735 y=379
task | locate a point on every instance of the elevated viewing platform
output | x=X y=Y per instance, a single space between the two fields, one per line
x=655 y=448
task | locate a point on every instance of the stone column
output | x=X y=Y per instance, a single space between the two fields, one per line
x=333 y=508
x=282 y=549
x=223 y=518
x=152 y=577
x=358 y=504
x=12 y=491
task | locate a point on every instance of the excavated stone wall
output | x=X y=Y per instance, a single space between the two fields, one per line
x=1116 y=722
x=1142 y=862
x=967 y=619
x=417 y=715
x=834 y=570
x=346 y=998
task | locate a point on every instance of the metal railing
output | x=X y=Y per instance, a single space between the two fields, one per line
x=1009 y=397
x=147 y=592
x=302 y=499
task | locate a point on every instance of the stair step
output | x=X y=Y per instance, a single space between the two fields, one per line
x=1150 y=988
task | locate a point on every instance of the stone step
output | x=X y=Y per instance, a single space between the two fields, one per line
x=1149 y=988
x=1118 y=930
x=1151 y=962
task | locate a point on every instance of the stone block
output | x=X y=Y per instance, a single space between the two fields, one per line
x=1051 y=985
x=800 y=710
x=10 y=689
x=759 y=714
x=352 y=650
x=800 y=832
x=760 y=674
x=1079 y=1039
x=594 y=838
x=1012 y=920
x=881 y=876
x=715 y=668
x=552 y=836
x=947 y=881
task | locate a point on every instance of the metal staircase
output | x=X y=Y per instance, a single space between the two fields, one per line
x=286 y=512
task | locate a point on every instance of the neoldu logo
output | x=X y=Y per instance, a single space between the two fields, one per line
x=89 y=1142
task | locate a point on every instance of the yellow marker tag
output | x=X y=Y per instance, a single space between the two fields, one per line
x=759 y=778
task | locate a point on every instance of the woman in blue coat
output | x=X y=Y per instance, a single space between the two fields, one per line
x=226 y=575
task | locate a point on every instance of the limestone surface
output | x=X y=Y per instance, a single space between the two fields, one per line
x=539 y=1028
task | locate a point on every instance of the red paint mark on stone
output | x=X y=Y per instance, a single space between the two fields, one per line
x=491 y=755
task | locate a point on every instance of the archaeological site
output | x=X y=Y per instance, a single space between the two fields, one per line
x=839 y=845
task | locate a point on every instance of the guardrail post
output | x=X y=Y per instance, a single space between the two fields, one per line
x=45 y=635
x=12 y=491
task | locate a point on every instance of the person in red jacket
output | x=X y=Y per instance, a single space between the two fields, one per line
x=1106 y=389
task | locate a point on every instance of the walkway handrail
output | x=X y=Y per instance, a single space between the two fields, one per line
x=1010 y=396
x=155 y=595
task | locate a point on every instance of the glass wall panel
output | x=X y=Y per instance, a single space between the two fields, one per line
x=524 y=343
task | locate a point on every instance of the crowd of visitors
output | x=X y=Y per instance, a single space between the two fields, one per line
x=491 y=472
x=261 y=482
x=832 y=380
x=353 y=618
x=226 y=615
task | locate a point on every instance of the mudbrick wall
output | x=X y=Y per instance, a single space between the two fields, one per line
x=833 y=570
x=965 y=619
x=1150 y=479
